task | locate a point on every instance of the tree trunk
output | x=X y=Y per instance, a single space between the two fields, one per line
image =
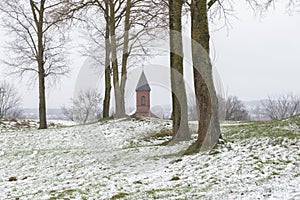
x=207 y=102
x=41 y=70
x=118 y=96
x=106 y=101
x=42 y=100
x=125 y=55
x=179 y=99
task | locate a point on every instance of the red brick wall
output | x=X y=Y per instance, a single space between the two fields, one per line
x=139 y=106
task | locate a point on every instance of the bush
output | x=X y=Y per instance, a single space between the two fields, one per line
x=235 y=109
x=10 y=101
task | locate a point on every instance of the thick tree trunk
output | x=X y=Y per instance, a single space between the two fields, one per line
x=125 y=55
x=117 y=90
x=207 y=102
x=106 y=101
x=179 y=99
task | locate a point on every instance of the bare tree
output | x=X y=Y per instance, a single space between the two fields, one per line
x=96 y=18
x=119 y=30
x=10 y=101
x=179 y=99
x=68 y=112
x=107 y=74
x=263 y=6
x=235 y=109
x=206 y=97
x=86 y=107
x=38 y=47
x=280 y=107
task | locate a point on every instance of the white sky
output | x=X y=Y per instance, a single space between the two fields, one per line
x=257 y=57
x=260 y=57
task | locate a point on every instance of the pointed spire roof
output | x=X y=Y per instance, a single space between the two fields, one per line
x=143 y=84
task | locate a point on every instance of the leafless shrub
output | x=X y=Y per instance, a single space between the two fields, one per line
x=86 y=107
x=235 y=109
x=10 y=101
x=280 y=107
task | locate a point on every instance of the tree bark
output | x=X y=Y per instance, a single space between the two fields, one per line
x=179 y=99
x=42 y=101
x=41 y=70
x=125 y=55
x=106 y=101
x=206 y=98
x=118 y=96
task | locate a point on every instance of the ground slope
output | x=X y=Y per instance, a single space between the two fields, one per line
x=117 y=160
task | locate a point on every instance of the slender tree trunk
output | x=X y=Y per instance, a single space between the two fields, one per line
x=2 y=102
x=179 y=99
x=106 y=101
x=85 y=118
x=207 y=102
x=125 y=55
x=41 y=71
x=42 y=100
x=118 y=96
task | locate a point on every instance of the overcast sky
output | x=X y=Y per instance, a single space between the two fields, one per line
x=260 y=56
x=255 y=58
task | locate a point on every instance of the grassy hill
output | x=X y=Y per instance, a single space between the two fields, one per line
x=287 y=128
x=118 y=159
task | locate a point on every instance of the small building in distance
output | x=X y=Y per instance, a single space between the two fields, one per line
x=143 y=98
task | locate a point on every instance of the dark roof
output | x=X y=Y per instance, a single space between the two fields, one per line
x=143 y=84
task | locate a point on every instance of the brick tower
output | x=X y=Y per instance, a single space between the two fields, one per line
x=143 y=97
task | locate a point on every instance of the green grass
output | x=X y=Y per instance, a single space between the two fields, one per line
x=66 y=194
x=120 y=195
x=271 y=129
x=277 y=130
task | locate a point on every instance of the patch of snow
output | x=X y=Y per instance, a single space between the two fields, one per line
x=63 y=122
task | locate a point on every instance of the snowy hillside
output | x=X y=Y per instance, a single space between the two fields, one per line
x=119 y=160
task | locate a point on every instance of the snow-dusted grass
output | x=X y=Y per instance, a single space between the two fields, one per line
x=11 y=125
x=118 y=160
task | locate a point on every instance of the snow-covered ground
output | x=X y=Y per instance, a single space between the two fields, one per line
x=117 y=160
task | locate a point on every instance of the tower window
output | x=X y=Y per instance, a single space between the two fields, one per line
x=143 y=100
